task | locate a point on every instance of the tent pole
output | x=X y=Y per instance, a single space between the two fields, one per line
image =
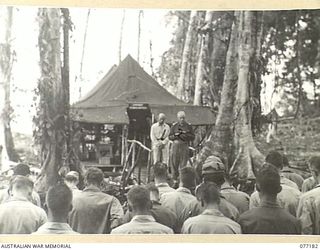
x=122 y=146
x=133 y=150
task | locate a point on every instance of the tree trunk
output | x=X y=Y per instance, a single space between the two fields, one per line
x=83 y=50
x=66 y=79
x=202 y=59
x=220 y=140
x=6 y=62
x=51 y=114
x=256 y=71
x=181 y=85
x=298 y=56
x=121 y=34
x=139 y=34
x=249 y=159
x=219 y=47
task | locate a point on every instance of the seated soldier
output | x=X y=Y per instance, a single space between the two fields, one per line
x=211 y=220
x=289 y=196
x=269 y=217
x=21 y=170
x=289 y=174
x=213 y=170
x=142 y=222
x=160 y=213
x=309 y=206
x=182 y=202
x=59 y=204
x=18 y=215
x=309 y=184
x=160 y=171
x=94 y=212
x=72 y=180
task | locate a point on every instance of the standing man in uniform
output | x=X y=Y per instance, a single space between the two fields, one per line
x=181 y=134
x=159 y=137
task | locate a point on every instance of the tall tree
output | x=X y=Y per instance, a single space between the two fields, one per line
x=248 y=157
x=203 y=58
x=50 y=118
x=67 y=27
x=121 y=34
x=140 y=15
x=168 y=71
x=83 y=51
x=6 y=62
x=218 y=46
x=220 y=141
x=182 y=81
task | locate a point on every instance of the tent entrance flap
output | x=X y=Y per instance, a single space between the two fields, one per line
x=139 y=119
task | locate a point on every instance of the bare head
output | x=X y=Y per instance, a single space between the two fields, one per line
x=187 y=178
x=94 y=176
x=209 y=194
x=139 y=200
x=21 y=187
x=59 y=202
x=72 y=179
x=268 y=181
x=161 y=118
x=276 y=159
x=314 y=166
x=181 y=115
x=160 y=171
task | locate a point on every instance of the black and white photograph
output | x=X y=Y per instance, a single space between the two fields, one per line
x=159 y=121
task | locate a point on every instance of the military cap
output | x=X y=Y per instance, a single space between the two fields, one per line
x=213 y=165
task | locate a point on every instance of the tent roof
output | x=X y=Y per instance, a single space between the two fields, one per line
x=129 y=83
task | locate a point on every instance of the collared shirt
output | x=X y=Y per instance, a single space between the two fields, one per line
x=159 y=134
x=4 y=196
x=94 y=212
x=20 y=216
x=160 y=213
x=288 y=199
x=164 y=188
x=185 y=130
x=309 y=211
x=211 y=221
x=239 y=199
x=55 y=228
x=287 y=182
x=228 y=209
x=308 y=184
x=182 y=203
x=142 y=224
x=296 y=178
x=269 y=218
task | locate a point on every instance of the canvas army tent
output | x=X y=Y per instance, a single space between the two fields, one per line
x=128 y=84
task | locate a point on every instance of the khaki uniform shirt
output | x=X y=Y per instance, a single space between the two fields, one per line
x=4 y=196
x=94 y=212
x=211 y=221
x=309 y=211
x=239 y=199
x=164 y=188
x=182 y=203
x=288 y=199
x=296 y=178
x=142 y=224
x=269 y=218
x=55 y=228
x=308 y=184
x=20 y=216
